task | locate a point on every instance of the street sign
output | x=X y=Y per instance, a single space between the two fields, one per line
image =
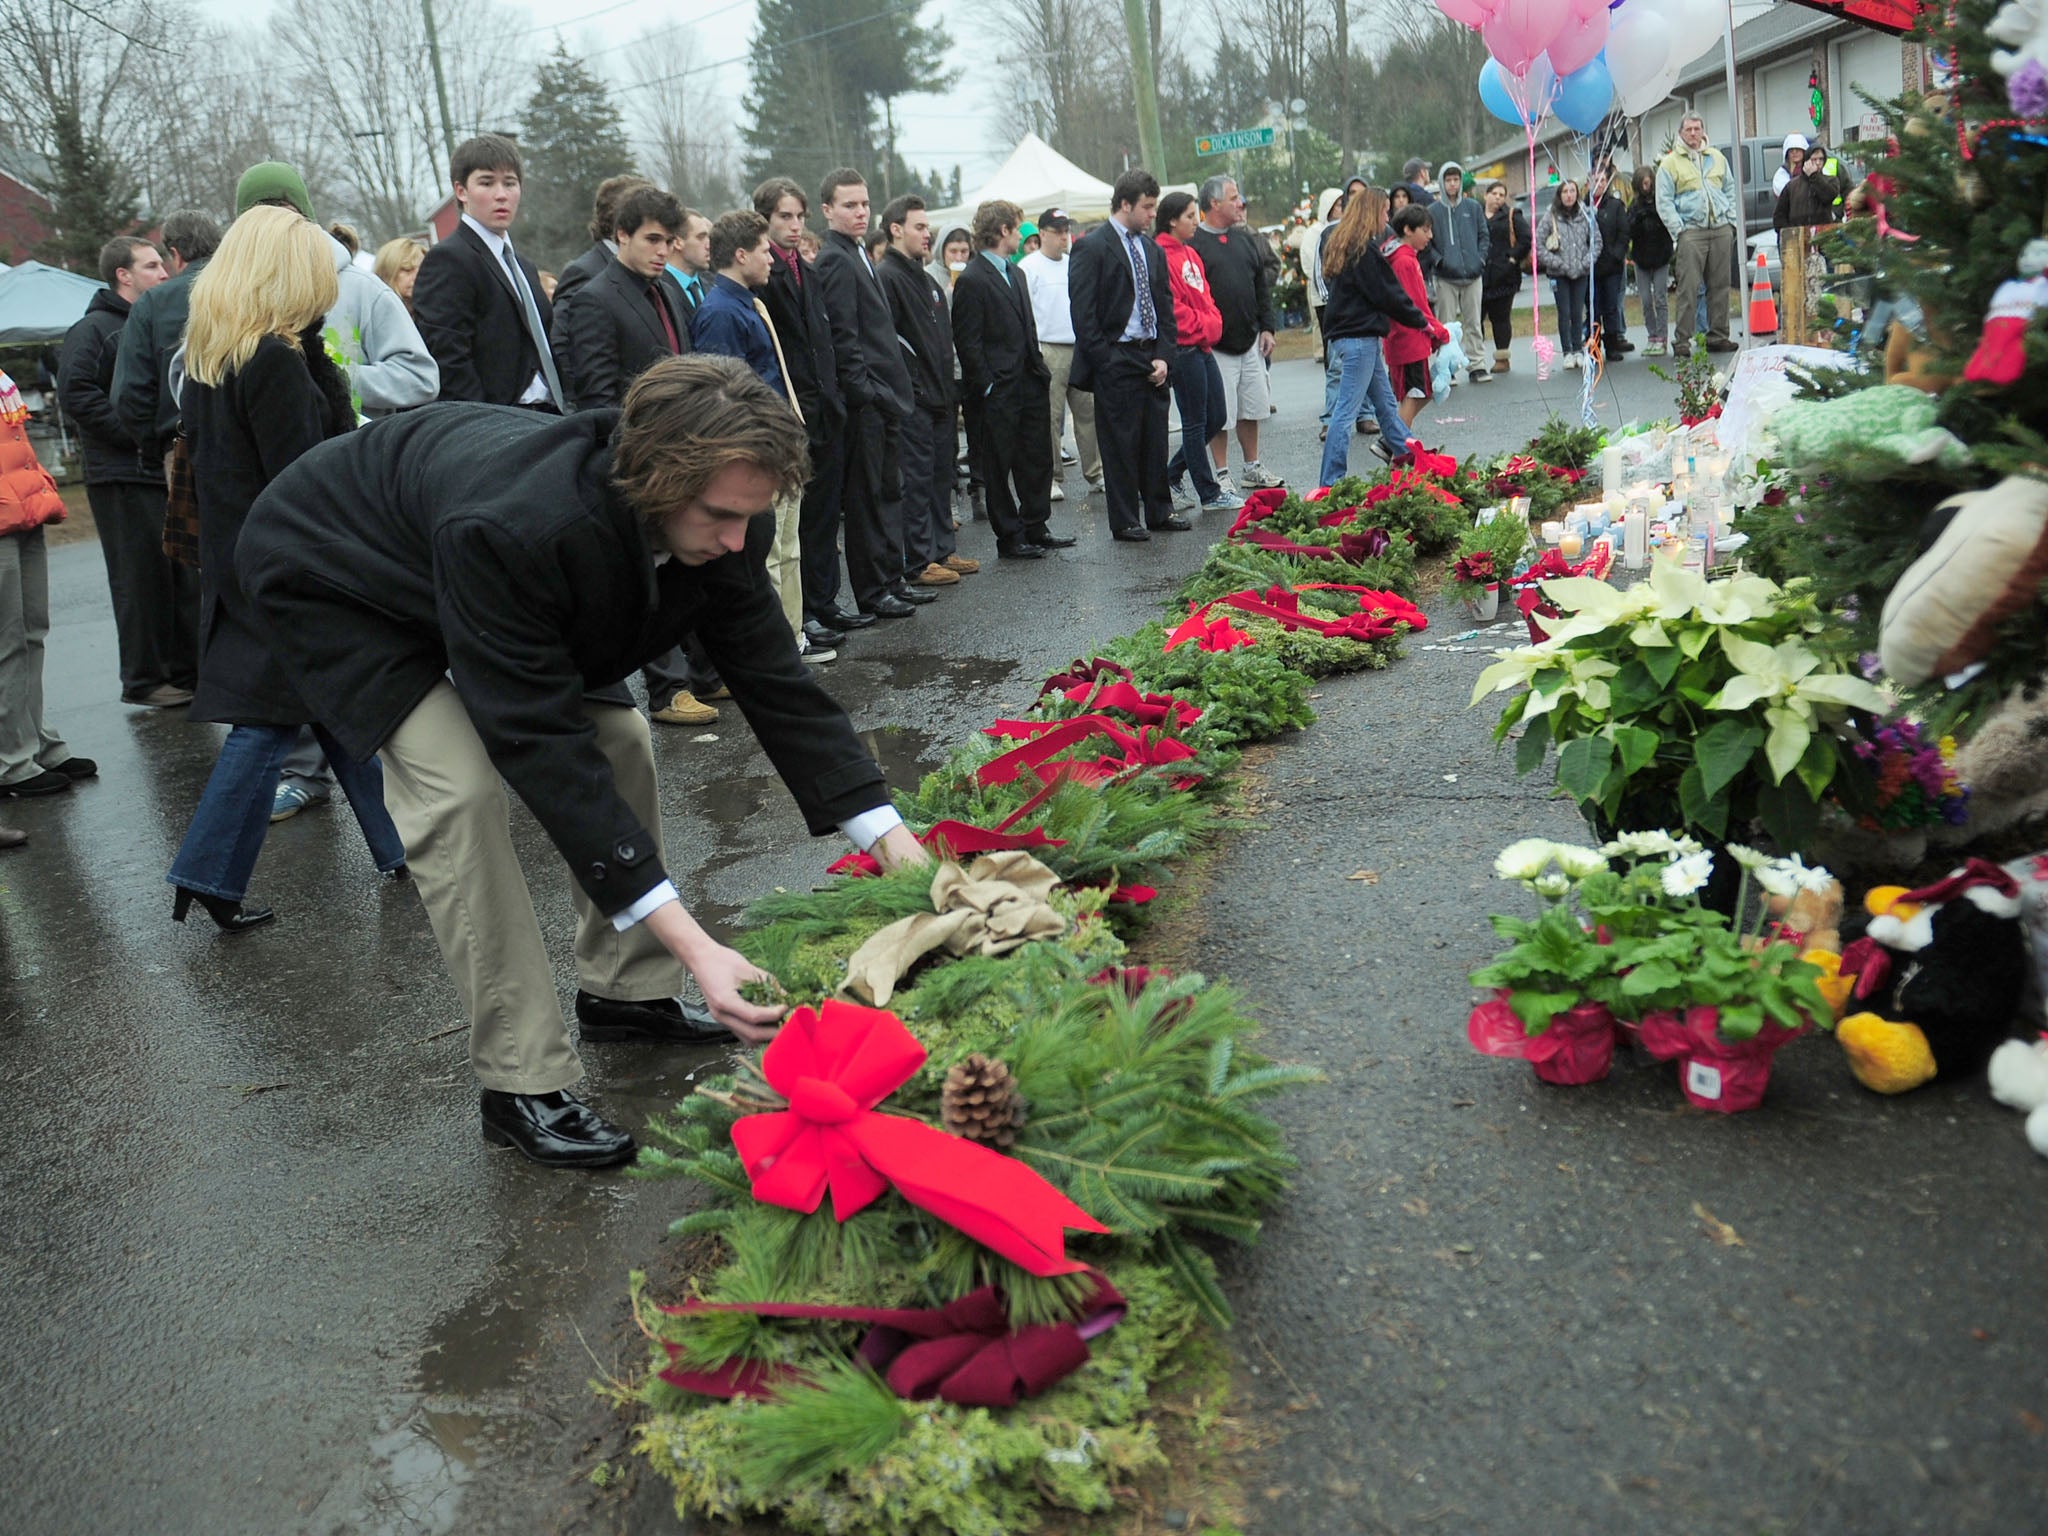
x=1242 y=138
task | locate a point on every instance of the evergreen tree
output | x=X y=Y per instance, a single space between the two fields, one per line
x=572 y=137
x=94 y=198
x=818 y=82
x=1854 y=521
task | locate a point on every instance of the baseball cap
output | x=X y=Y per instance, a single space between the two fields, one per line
x=1054 y=218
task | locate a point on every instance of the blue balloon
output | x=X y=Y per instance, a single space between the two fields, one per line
x=1493 y=94
x=1584 y=96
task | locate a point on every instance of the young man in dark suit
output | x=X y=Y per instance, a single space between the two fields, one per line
x=478 y=303
x=931 y=556
x=1001 y=366
x=796 y=307
x=456 y=623
x=876 y=385
x=604 y=247
x=1123 y=348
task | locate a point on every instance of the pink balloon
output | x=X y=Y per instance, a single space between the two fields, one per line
x=1521 y=29
x=1467 y=13
x=1580 y=42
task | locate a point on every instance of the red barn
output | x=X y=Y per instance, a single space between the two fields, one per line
x=24 y=210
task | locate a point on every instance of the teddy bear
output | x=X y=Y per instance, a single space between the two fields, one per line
x=1891 y=418
x=1941 y=973
x=2023 y=26
x=2019 y=1078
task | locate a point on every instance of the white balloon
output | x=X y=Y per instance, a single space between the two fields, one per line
x=1696 y=26
x=1635 y=103
x=1638 y=47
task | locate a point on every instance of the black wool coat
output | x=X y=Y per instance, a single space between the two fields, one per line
x=85 y=378
x=244 y=432
x=473 y=322
x=919 y=309
x=608 y=332
x=995 y=335
x=382 y=561
x=1100 y=292
x=797 y=309
x=871 y=365
x=580 y=271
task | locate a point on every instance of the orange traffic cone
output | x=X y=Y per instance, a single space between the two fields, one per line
x=1763 y=309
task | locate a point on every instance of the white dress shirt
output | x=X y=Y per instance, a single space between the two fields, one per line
x=1047 y=280
x=537 y=386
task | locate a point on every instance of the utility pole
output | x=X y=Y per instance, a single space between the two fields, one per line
x=889 y=160
x=1151 y=143
x=440 y=80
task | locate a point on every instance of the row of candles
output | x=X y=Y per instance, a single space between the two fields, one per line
x=1634 y=518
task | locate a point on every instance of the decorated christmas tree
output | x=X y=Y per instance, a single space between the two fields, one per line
x=1945 y=228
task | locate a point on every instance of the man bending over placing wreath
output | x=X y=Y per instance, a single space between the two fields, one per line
x=445 y=588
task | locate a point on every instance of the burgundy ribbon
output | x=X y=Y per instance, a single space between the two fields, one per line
x=964 y=1352
x=1974 y=872
x=1083 y=673
x=1870 y=963
x=1046 y=739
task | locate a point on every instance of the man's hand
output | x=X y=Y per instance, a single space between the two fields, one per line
x=1158 y=373
x=898 y=848
x=1266 y=345
x=720 y=972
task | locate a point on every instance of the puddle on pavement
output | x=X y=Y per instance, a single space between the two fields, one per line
x=413 y=1482
x=955 y=671
x=905 y=755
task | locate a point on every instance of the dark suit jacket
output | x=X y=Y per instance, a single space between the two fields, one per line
x=871 y=365
x=140 y=392
x=1100 y=292
x=994 y=333
x=473 y=322
x=607 y=332
x=919 y=309
x=806 y=334
x=85 y=374
x=382 y=559
x=582 y=270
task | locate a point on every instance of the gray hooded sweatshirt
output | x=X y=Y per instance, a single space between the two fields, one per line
x=1461 y=238
x=370 y=334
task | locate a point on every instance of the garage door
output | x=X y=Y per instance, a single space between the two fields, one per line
x=1660 y=129
x=1713 y=106
x=1781 y=100
x=1872 y=62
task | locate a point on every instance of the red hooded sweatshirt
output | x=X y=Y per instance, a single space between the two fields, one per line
x=1195 y=316
x=1404 y=343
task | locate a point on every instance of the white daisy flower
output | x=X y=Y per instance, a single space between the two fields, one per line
x=1812 y=877
x=1685 y=876
x=1777 y=878
x=1578 y=862
x=1552 y=886
x=1524 y=860
x=1748 y=857
x=1641 y=845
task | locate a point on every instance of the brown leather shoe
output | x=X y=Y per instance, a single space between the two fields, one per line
x=936 y=576
x=962 y=564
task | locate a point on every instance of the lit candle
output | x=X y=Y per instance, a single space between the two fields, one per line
x=1570 y=545
x=1552 y=532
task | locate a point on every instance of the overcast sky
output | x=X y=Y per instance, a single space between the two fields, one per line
x=931 y=131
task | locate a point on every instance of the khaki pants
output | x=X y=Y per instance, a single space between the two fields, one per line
x=451 y=809
x=785 y=562
x=1462 y=302
x=1059 y=357
x=1703 y=256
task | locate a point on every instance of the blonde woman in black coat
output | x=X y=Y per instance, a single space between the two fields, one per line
x=259 y=391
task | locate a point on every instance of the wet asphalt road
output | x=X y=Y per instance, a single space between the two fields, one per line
x=265 y=1278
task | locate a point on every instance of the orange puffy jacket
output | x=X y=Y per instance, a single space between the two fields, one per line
x=28 y=496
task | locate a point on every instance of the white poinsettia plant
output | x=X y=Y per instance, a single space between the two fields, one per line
x=1683 y=701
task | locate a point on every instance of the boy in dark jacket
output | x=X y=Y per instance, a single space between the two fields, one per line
x=156 y=600
x=1460 y=242
x=931 y=556
x=1507 y=258
x=1610 y=268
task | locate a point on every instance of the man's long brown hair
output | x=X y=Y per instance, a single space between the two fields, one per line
x=1364 y=221
x=688 y=418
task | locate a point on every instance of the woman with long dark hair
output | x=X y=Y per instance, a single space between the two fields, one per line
x=1365 y=300
x=259 y=391
x=1651 y=247
x=1568 y=242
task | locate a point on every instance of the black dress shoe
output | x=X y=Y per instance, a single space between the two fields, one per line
x=1130 y=535
x=48 y=782
x=556 y=1130
x=822 y=636
x=846 y=618
x=1019 y=552
x=79 y=768
x=1173 y=524
x=663 y=1021
x=1052 y=541
x=916 y=595
x=889 y=607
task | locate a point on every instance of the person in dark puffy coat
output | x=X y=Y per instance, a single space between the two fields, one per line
x=1507 y=259
x=1651 y=249
x=259 y=391
x=1610 y=271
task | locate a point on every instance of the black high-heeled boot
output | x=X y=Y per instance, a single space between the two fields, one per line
x=228 y=916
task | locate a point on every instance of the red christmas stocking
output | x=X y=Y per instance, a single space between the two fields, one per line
x=2001 y=355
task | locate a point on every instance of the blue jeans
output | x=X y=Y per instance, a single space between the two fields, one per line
x=1362 y=378
x=1198 y=396
x=226 y=834
x=1571 y=294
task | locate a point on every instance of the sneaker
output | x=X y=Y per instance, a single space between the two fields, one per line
x=1256 y=478
x=1482 y=376
x=1379 y=446
x=292 y=797
x=817 y=656
x=1223 y=483
x=684 y=709
x=1571 y=360
x=1067 y=457
x=1183 y=494
x=1224 y=503
x=1654 y=349
x=1058 y=494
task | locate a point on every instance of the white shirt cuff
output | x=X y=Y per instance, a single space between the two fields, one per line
x=659 y=896
x=870 y=827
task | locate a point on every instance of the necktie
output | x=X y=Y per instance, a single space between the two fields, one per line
x=535 y=330
x=1141 y=279
x=668 y=325
x=781 y=362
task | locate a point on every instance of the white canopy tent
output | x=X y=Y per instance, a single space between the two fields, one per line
x=1035 y=177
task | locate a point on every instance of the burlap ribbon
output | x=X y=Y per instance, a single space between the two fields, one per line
x=996 y=904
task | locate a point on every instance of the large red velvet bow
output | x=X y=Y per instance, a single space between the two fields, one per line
x=1147 y=709
x=1257 y=506
x=834 y=1064
x=1353 y=548
x=1551 y=565
x=951 y=839
x=1404 y=480
x=1217 y=634
x=965 y=1352
x=1082 y=672
x=1046 y=739
x=1377 y=618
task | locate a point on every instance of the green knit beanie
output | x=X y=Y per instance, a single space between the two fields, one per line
x=270 y=180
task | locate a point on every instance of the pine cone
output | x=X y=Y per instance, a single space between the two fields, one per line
x=980 y=1102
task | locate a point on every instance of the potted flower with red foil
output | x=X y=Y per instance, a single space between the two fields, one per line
x=1487 y=554
x=1548 y=984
